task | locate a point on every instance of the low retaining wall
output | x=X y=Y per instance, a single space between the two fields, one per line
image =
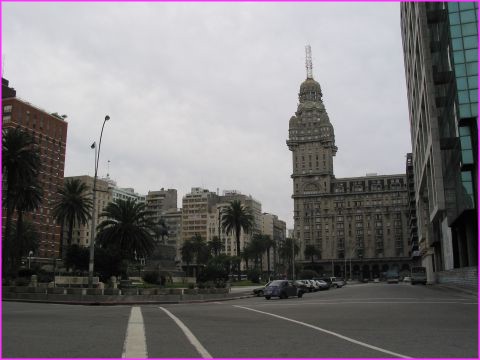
x=98 y=296
x=465 y=277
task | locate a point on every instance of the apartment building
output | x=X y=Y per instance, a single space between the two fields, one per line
x=49 y=131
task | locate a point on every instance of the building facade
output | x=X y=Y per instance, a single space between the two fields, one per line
x=195 y=209
x=50 y=134
x=357 y=225
x=82 y=232
x=277 y=230
x=440 y=45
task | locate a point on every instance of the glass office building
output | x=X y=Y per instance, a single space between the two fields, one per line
x=440 y=44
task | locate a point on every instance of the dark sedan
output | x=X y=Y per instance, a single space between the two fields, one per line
x=282 y=289
x=259 y=291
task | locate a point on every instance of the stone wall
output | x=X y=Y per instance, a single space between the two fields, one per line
x=465 y=277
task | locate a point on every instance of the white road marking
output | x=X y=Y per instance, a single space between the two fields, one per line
x=193 y=340
x=135 y=345
x=328 y=332
x=323 y=302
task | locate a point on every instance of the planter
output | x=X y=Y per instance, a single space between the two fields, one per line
x=76 y=291
x=130 y=291
x=56 y=290
x=148 y=291
x=191 y=291
x=94 y=291
x=176 y=291
x=111 y=291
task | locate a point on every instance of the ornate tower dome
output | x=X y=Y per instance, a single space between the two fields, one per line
x=310 y=90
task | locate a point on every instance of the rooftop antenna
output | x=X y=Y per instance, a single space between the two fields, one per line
x=108 y=169
x=308 y=61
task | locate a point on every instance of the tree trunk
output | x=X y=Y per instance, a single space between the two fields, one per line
x=239 y=274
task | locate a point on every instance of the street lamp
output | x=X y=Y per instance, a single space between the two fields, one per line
x=293 y=258
x=92 y=232
x=30 y=254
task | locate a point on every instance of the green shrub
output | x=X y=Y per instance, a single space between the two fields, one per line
x=152 y=277
x=254 y=276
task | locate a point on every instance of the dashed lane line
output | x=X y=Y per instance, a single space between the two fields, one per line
x=328 y=332
x=135 y=345
x=193 y=340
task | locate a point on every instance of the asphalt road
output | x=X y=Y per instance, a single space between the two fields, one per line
x=360 y=321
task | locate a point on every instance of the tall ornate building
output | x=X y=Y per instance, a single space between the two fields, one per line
x=358 y=226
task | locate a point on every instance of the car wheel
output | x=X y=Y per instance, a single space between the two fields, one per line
x=335 y=286
x=300 y=294
x=260 y=293
x=267 y=297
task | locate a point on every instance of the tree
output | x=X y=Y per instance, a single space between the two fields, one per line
x=257 y=247
x=77 y=257
x=268 y=243
x=127 y=229
x=188 y=253
x=72 y=206
x=27 y=200
x=310 y=252
x=285 y=251
x=201 y=251
x=29 y=237
x=20 y=163
x=215 y=245
x=236 y=218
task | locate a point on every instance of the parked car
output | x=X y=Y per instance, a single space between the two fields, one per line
x=313 y=285
x=334 y=281
x=301 y=285
x=259 y=291
x=419 y=275
x=392 y=277
x=308 y=285
x=407 y=279
x=322 y=285
x=282 y=289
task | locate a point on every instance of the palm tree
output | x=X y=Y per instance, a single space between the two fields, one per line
x=127 y=229
x=188 y=253
x=201 y=251
x=310 y=252
x=268 y=244
x=27 y=200
x=216 y=245
x=20 y=161
x=72 y=206
x=285 y=251
x=236 y=218
x=257 y=246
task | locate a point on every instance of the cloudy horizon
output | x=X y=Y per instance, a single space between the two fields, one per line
x=200 y=94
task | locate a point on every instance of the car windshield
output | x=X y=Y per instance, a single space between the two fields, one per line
x=276 y=283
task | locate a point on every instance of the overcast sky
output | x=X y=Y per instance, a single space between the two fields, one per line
x=200 y=94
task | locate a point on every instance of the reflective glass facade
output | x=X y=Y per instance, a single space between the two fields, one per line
x=463 y=18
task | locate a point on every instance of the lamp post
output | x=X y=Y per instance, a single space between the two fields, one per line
x=293 y=258
x=94 y=198
x=30 y=254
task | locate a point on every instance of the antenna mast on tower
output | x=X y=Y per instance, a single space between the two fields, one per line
x=308 y=61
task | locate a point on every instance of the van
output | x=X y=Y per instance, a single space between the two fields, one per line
x=392 y=277
x=418 y=275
